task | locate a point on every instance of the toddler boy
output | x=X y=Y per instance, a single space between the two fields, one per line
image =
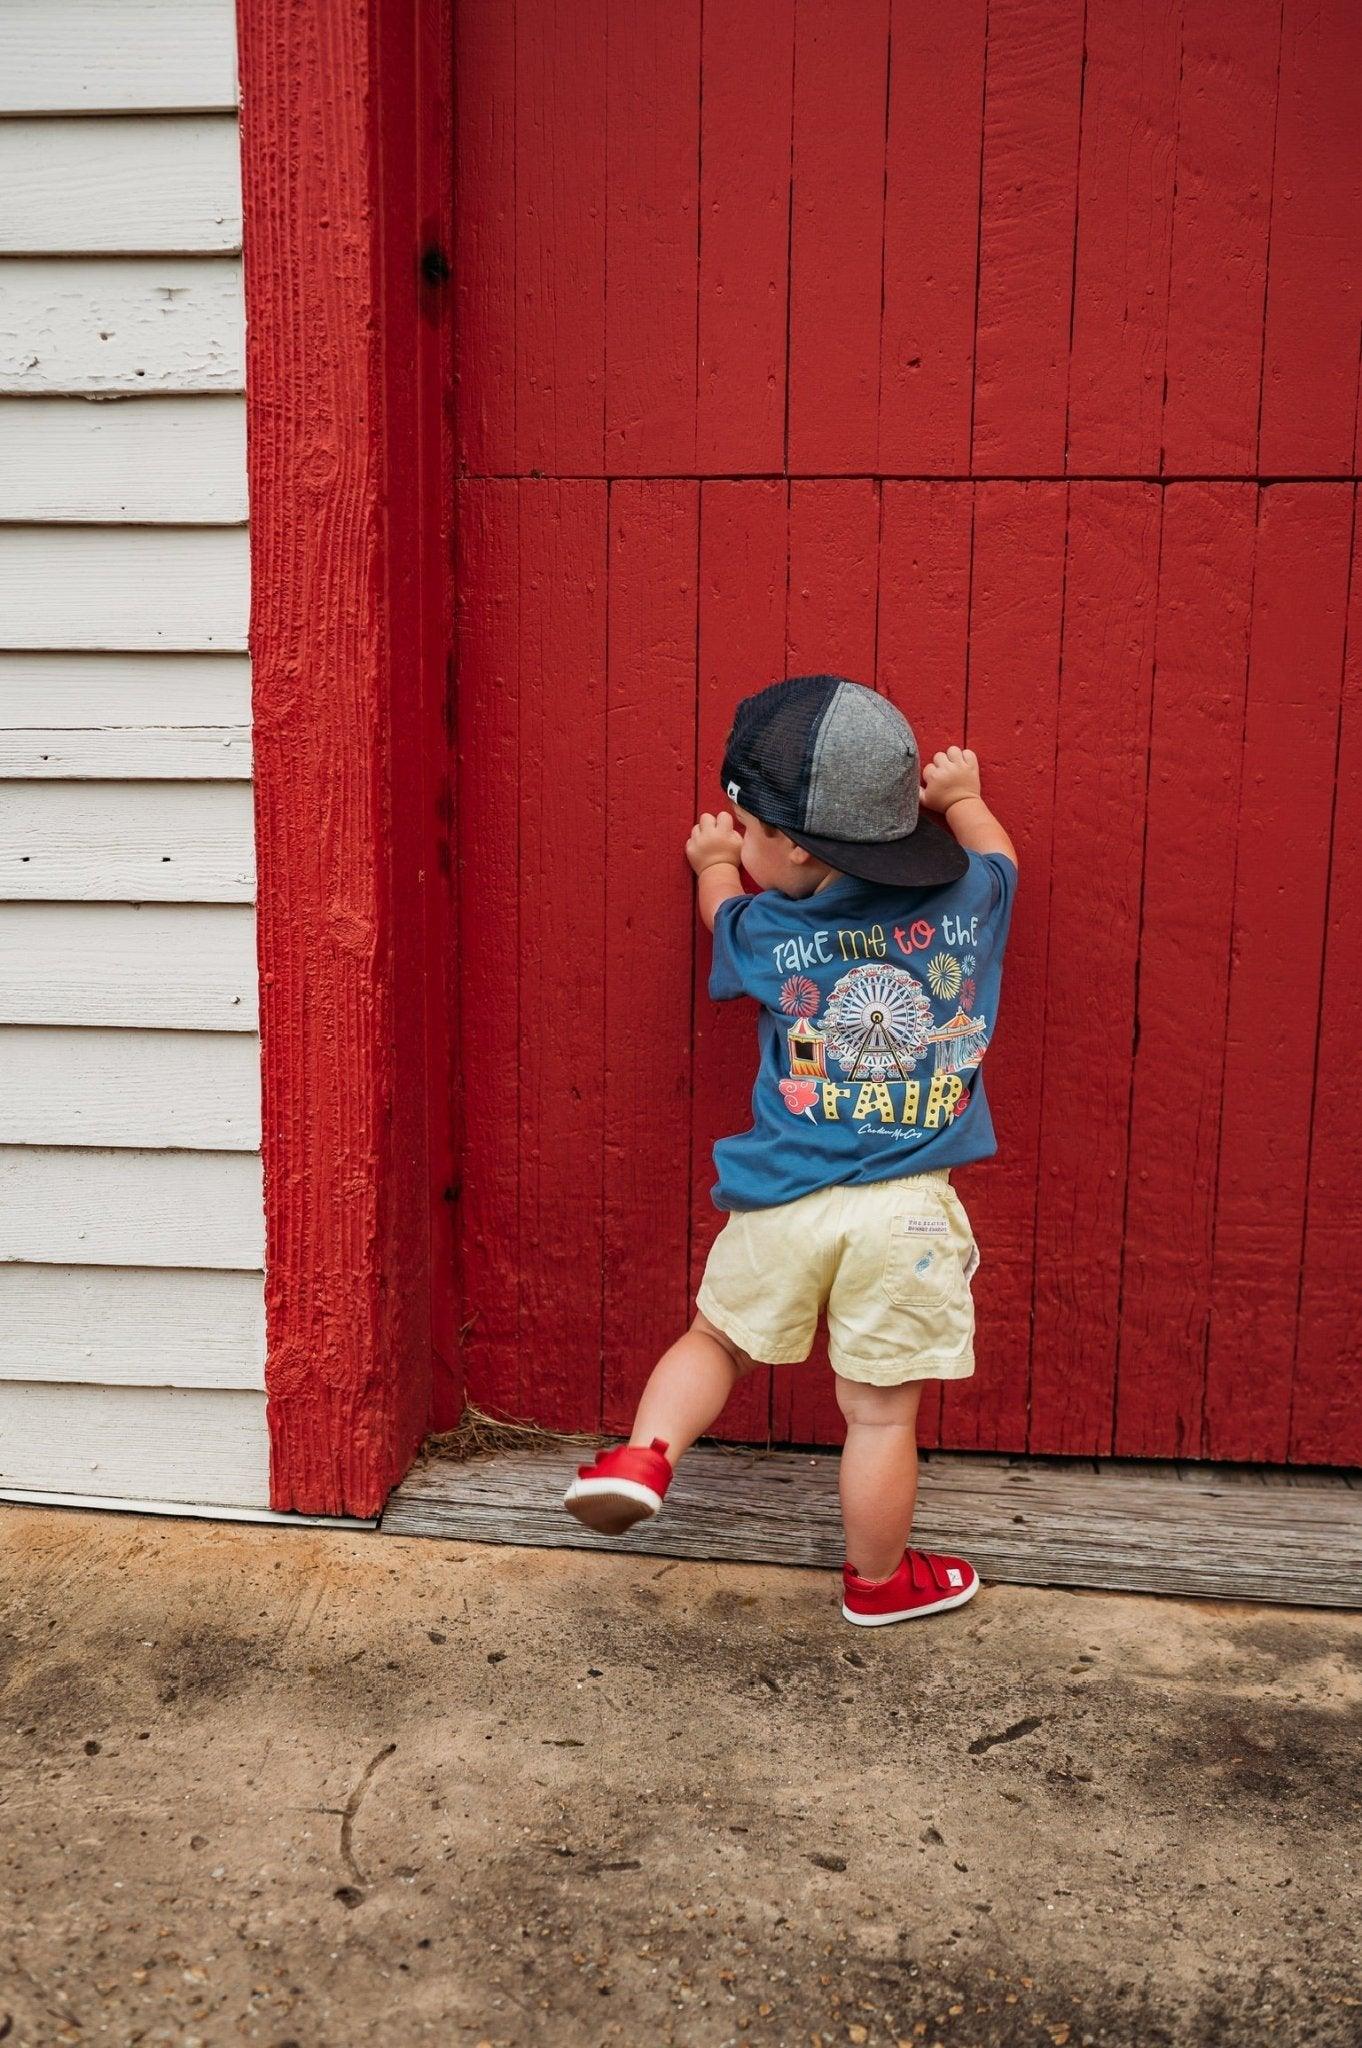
x=874 y=948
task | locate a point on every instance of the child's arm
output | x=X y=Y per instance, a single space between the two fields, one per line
x=714 y=850
x=950 y=784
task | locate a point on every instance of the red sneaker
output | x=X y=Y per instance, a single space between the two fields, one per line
x=923 y=1584
x=620 y=1487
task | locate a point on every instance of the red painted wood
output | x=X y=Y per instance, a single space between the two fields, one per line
x=1314 y=279
x=744 y=551
x=561 y=816
x=649 y=906
x=489 y=915
x=931 y=233
x=1111 y=585
x=746 y=119
x=1026 y=236
x=1205 y=594
x=1300 y=601
x=349 y=589
x=652 y=232
x=1124 y=236
x=1326 y=1415
x=652 y=228
x=1226 y=120
x=837 y=234
x=1092 y=295
x=1016 y=611
x=560 y=233
x=485 y=237
x=926 y=544
x=420 y=364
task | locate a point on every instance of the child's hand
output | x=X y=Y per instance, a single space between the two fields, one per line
x=714 y=842
x=948 y=776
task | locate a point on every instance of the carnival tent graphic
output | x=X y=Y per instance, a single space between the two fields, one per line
x=960 y=1043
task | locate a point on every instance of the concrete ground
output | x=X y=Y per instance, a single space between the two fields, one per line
x=320 y=1788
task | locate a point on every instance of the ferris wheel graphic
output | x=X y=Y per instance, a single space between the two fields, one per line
x=878 y=1022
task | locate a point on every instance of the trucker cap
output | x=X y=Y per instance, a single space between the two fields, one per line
x=837 y=768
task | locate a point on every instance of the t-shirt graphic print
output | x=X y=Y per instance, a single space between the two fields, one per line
x=877 y=1007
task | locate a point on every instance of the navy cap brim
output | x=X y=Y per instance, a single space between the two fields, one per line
x=924 y=858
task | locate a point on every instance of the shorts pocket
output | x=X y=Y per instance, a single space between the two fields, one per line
x=921 y=1263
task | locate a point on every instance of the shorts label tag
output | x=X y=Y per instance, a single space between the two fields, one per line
x=924 y=1226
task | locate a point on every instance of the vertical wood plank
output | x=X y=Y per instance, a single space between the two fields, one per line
x=649 y=905
x=926 y=541
x=489 y=912
x=746 y=99
x=1110 y=603
x=837 y=245
x=339 y=353
x=1314 y=278
x=1326 y=1415
x=652 y=224
x=1226 y=120
x=562 y=946
x=931 y=233
x=1205 y=586
x=1015 y=631
x=743 y=553
x=834 y=578
x=484 y=238
x=1132 y=50
x=1300 y=601
x=1026 y=236
x=560 y=203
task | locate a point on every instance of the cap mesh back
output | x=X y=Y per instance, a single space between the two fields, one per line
x=768 y=750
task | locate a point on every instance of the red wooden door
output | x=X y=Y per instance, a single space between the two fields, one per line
x=918 y=348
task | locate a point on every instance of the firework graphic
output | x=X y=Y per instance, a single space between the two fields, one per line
x=968 y=991
x=943 y=974
x=968 y=964
x=799 y=996
x=878 y=1022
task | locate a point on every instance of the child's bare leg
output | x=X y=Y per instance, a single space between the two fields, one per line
x=878 y=1475
x=688 y=1388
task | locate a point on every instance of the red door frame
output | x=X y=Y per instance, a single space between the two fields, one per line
x=347 y=171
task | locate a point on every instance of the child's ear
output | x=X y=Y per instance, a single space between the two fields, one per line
x=798 y=853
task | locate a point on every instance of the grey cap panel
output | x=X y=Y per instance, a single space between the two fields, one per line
x=863 y=770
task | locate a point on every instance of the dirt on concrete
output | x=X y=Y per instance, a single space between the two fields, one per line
x=314 y=1788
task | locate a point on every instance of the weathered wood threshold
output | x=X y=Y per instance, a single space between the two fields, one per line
x=1221 y=1532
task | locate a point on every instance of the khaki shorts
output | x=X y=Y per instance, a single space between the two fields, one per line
x=889 y=1262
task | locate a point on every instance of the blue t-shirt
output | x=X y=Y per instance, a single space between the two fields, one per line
x=877 y=1006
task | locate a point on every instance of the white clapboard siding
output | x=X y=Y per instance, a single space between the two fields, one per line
x=153 y=461
x=185 y=1089
x=114 y=717
x=132 y=587
x=127 y=842
x=176 y=967
x=125 y=183
x=132 y=1326
x=131 y=1210
x=82 y=1208
x=190 y=1444
x=92 y=56
x=121 y=324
